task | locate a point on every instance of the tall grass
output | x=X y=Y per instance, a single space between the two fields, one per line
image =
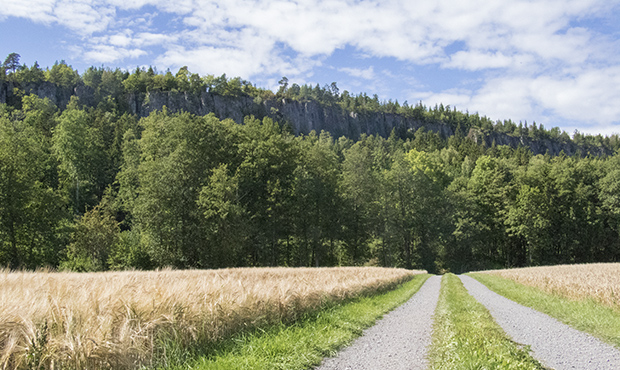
x=303 y=345
x=597 y=281
x=121 y=319
x=587 y=314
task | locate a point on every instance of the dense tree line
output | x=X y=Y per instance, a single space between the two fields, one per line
x=96 y=188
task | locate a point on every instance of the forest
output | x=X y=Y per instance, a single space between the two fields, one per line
x=90 y=186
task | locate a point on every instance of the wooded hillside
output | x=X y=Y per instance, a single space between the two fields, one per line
x=101 y=171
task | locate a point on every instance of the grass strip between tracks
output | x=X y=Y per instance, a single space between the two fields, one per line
x=586 y=315
x=465 y=336
x=302 y=344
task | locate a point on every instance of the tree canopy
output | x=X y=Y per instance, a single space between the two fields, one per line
x=95 y=187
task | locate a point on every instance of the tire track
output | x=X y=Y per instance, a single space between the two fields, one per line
x=553 y=343
x=398 y=341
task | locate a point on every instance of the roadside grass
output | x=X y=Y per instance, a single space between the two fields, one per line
x=586 y=315
x=299 y=345
x=465 y=336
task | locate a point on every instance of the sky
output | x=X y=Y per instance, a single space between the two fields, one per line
x=556 y=63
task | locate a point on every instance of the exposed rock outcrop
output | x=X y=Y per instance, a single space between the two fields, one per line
x=537 y=146
x=302 y=117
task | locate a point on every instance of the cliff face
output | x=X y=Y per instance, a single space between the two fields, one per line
x=540 y=146
x=223 y=107
x=3 y=92
x=307 y=116
x=302 y=117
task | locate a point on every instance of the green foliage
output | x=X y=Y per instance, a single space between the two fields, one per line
x=200 y=192
x=225 y=218
x=62 y=75
x=29 y=76
x=316 y=202
x=360 y=187
x=266 y=174
x=39 y=114
x=128 y=178
x=11 y=62
x=31 y=209
x=95 y=236
x=80 y=147
x=128 y=252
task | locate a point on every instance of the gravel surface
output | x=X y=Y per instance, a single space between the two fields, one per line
x=398 y=341
x=553 y=343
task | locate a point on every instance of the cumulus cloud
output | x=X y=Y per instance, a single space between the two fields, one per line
x=110 y=54
x=534 y=58
x=367 y=73
x=556 y=100
x=410 y=31
x=477 y=60
x=122 y=45
x=81 y=16
x=589 y=95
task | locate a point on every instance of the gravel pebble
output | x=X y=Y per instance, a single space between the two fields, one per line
x=553 y=343
x=398 y=341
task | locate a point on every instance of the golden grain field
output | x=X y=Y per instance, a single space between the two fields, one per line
x=599 y=281
x=116 y=319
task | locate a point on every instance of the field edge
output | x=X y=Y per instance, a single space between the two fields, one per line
x=305 y=343
x=585 y=315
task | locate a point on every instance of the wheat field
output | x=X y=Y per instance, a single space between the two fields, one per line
x=598 y=281
x=54 y=320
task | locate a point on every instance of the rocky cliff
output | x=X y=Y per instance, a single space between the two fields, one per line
x=537 y=146
x=302 y=117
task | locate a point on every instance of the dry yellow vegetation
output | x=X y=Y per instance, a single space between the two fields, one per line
x=598 y=281
x=117 y=319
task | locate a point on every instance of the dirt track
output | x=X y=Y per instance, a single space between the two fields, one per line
x=553 y=343
x=398 y=341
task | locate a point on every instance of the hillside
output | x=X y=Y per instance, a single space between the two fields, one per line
x=315 y=109
x=96 y=175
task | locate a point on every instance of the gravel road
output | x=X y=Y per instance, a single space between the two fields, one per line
x=398 y=341
x=553 y=343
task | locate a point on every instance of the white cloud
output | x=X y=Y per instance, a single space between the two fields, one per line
x=367 y=73
x=216 y=60
x=531 y=57
x=591 y=96
x=150 y=39
x=110 y=54
x=122 y=45
x=555 y=100
x=121 y=39
x=35 y=10
x=81 y=16
x=411 y=31
x=477 y=60
x=247 y=56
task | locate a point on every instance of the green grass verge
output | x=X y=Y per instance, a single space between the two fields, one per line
x=586 y=315
x=299 y=345
x=465 y=336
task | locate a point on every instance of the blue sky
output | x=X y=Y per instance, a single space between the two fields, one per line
x=549 y=61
